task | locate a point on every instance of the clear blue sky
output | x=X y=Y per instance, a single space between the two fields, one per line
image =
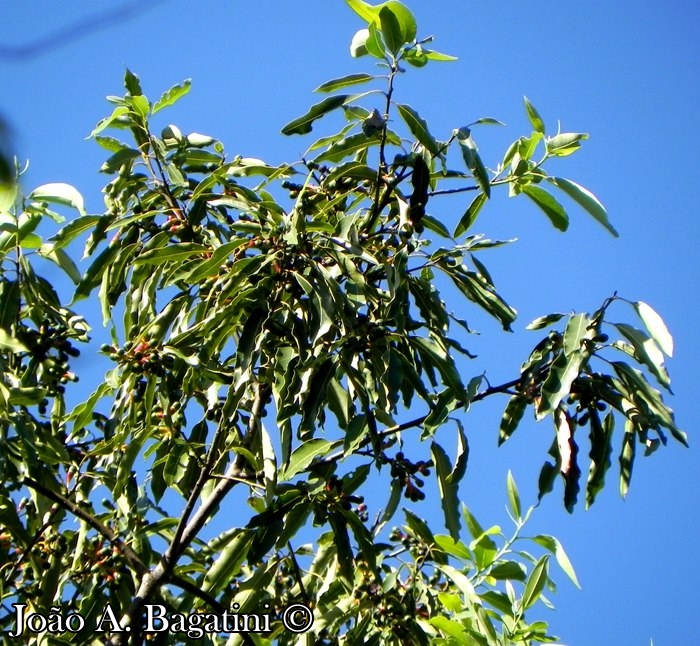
x=625 y=72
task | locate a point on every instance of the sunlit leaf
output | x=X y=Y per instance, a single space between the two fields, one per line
x=171 y=96
x=585 y=199
x=303 y=124
x=534 y=116
x=549 y=206
x=655 y=326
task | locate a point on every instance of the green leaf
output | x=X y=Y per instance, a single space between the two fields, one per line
x=73 y=229
x=448 y=481
x=132 y=83
x=171 y=96
x=534 y=116
x=472 y=159
x=302 y=125
x=62 y=259
x=476 y=289
x=304 y=455
x=564 y=143
x=174 y=252
x=118 y=112
x=344 y=81
x=453 y=547
x=432 y=55
x=489 y=121
x=8 y=195
x=117 y=160
x=419 y=128
x=627 y=458
x=536 y=582
x=584 y=198
x=549 y=205
x=646 y=351
x=404 y=17
x=347 y=146
x=365 y=10
x=59 y=193
x=601 y=449
x=8 y=342
x=391 y=30
x=513 y=496
x=555 y=547
x=229 y=562
x=544 y=321
x=655 y=326
x=513 y=414
x=467 y=220
x=508 y=570
x=358 y=46
x=374 y=43
x=566 y=366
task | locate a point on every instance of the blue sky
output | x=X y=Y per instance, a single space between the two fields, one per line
x=627 y=73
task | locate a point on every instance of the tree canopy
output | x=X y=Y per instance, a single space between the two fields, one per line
x=286 y=374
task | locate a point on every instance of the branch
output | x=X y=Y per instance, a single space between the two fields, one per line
x=132 y=558
x=449 y=191
x=154 y=579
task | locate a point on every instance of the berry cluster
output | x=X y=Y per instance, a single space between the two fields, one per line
x=49 y=350
x=403 y=470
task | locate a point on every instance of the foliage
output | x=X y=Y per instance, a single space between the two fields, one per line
x=236 y=293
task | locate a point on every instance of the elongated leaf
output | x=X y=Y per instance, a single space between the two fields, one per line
x=448 y=477
x=568 y=453
x=567 y=365
x=10 y=301
x=62 y=259
x=549 y=205
x=467 y=220
x=565 y=143
x=470 y=153
x=601 y=450
x=171 y=96
x=419 y=128
x=118 y=159
x=555 y=547
x=303 y=455
x=536 y=582
x=302 y=125
x=348 y=146
x=228 y=563
x=655 y=326
x=544 y=321
x=513 y=414
x=647 y=352
x=365 y=10
x=174 y=252
x=584 y=198
x=73 y=229
x=513 y=496
x=477 y=290
x=627 y=458
x=59 y=193
x=534 y=116
x=8 y=342
x=441 y=360
x=344 y=81
x=118 y=112
x=432 y=55
x=358 y=45
x=391 y=30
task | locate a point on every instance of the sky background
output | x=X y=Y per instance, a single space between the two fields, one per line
x=627 y=73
